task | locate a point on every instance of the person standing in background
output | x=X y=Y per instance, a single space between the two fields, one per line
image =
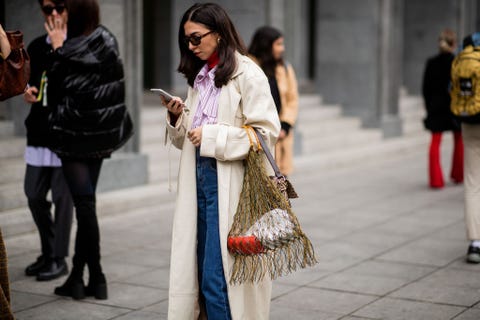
x=44 y=169
x=471 y=136
x=89 y=121
x=267 y=49
x=435 y=90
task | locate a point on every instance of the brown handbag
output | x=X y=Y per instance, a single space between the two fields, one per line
x=15 y=69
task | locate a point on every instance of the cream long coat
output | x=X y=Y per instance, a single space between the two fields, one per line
x=246 y=99
x=288 y=89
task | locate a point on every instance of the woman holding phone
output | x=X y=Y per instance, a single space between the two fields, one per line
x=226 y=91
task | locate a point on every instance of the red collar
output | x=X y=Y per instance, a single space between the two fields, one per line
x=213 y=60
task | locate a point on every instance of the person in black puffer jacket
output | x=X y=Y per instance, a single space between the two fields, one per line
x=435 y=89
x=89 y=121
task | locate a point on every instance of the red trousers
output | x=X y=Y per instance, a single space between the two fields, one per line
x=435 y=167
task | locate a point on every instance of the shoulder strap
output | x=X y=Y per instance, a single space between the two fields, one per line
x=269 y=156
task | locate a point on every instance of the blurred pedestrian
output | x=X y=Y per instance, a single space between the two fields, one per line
x=5 y=308
x=89 y=121
x=267 y=49
x=44 y=169
x=471 y=136
x=435 y=89
x=227 y=90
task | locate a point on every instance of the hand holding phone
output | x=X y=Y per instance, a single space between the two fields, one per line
x=168 y=97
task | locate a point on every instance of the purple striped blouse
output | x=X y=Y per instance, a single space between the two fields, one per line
x=207 y=108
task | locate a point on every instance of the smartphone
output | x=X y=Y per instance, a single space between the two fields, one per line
x=168 y=97
x=163 y=93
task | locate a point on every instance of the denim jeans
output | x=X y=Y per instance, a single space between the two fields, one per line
x=212 y=284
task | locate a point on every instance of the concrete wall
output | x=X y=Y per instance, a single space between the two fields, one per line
x=423 y=21
x=358 y=52
x=247 y=16
x=347 y=54
x=355 y=61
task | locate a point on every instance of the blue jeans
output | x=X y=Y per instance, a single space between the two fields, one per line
x=212 y=284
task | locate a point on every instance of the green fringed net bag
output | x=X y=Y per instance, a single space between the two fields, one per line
x=265 y=238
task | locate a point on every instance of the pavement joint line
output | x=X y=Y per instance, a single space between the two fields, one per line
x=346 y=291
x=460 y=313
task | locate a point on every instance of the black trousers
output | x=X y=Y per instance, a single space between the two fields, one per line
x=54 y=232
x=82 y=177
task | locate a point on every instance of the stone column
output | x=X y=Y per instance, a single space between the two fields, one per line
x=390 y=73
x=127 y=167
x=133 y=64
x=357 y=56
x=347 y=55
x=467 y=18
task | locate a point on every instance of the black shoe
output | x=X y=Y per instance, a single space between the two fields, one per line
x=53 y=270
x=473 y=254
x=34 y=268
x=97 y=287
x=71 y=288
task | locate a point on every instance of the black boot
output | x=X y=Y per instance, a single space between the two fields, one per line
x=97 y=287
x=73 y=287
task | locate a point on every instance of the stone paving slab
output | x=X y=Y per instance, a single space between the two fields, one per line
x=368 y=284
x=322 y=300
x=395 y=309
x=439 y=293
x=470 y=314
x=71 y=310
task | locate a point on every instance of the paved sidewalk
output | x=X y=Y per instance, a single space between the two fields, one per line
x=389 y=248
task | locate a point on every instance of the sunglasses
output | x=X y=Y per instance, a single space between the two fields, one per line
x=49 y=9
x=195 y=39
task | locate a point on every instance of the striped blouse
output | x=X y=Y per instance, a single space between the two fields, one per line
x=207 y=108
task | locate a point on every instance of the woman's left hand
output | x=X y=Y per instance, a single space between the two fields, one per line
x=57 y=30
x=195 y=136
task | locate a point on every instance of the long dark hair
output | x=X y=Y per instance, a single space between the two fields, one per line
x=215 y=18
x=261 y=49
x=83 y=17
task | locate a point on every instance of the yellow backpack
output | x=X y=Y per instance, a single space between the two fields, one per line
x=465 y=90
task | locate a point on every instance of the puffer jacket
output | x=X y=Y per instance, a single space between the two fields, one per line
x=86 y=90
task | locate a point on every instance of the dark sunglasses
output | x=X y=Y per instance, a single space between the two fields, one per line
x=49 y=9
x=195 y=39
